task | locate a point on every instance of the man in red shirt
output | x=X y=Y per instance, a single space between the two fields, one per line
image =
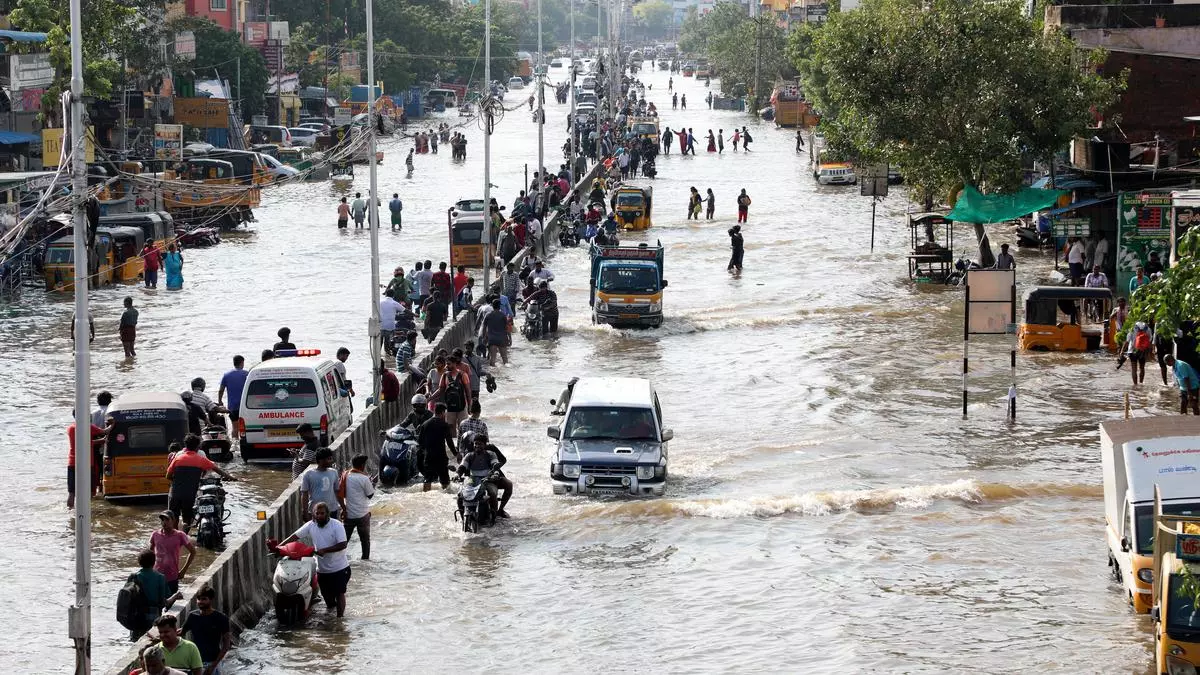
x=98 y=437
x=389 y=384
x=518 y=230
x=185 y=471
x=442 y=282
x=151 y=261
x=460 y=280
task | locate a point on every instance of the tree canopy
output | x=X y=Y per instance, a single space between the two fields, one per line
x=954 y=92
x=1172 y=299
x=727 y=37
x=653 y=17
x=217 y=53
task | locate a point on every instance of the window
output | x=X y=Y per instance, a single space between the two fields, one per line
x=218 y=5
x=282 y=393
x=146 y=436
x=627 y=424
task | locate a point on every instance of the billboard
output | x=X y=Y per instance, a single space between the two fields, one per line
x=202 y=113
x=52 y=140
x=168 y=141
x=29 y=71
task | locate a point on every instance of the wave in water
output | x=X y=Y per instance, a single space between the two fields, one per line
x=821 y=503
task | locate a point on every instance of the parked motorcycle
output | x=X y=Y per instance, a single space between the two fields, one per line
x=474 y=508
x=294 y=583
x=959 y=276
x=398 y=456
x=211 y=514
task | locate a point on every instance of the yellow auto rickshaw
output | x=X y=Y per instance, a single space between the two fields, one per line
x=632 y=207
x=125 y=259
x=466 y=233
x=145 y=424
x=1066 y=319
x=58 y=267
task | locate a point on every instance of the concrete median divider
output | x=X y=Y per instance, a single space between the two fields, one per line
x=242 y=574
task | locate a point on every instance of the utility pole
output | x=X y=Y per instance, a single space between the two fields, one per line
x=757 y=56
x=79 y=617
x=487 y=143
x=541 y=98
x=239 y=87
x=372 y=205
x=571 y=62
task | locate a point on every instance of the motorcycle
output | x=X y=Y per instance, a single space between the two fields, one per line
x=568 y=234
x=294 y=583
x=211 y=514
x=959 y=276
x=398 y=456
x=533 y=326
x=214 y=441
x=474 y=508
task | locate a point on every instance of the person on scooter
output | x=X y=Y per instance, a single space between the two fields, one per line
x=328 y=537
x=185 y=471
x=211 y=409
x=420 y=413
x=548 y=301
x=484 y=462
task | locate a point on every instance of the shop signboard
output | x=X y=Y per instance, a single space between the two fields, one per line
x=202 y=112
x=29 y=71
x=168 y=141
x=1073 y=226
x=1143 y=226
x=52 y=140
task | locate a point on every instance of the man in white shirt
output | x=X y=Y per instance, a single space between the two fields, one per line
x=540 y=272
x=356 y=502
x=424 y=282
x=1100 y=252
x=533 y=232
x=99 y=414
x=328 y=538
x=388 y=308
x=1075 y=257
x=1095 y=279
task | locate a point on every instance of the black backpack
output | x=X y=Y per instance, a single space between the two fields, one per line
x=132 y=605
x=454 y=397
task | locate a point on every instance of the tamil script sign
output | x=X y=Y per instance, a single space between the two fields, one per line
x=1143 y=227
x=820 y=10
x=168 y=141
x=341 y=116
x=29 y=71
x=202 y=113
x=1071 y=227
x=185 y=45
x=52 y=140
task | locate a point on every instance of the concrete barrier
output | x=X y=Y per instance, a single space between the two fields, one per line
x=242 y=574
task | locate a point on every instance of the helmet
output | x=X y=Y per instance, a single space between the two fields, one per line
x=419 y=400
x=198 y=383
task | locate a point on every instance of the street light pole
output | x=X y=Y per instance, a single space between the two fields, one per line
x=541 y=114
x=571 y=65
x=79 y=617
x=487 y=143
x=372 y=207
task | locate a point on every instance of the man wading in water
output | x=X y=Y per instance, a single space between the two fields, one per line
x=738 y=246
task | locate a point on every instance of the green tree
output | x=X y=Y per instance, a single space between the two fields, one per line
x=1172 y=299
x=735 y=44
x=217 y=55
x=654 y=17
x=110 y=29
x=953 y=92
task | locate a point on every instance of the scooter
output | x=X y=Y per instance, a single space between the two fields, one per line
x=474 y=508
x=532 y=329
x=398 y=456
x=211 y=514
x=214 y=441
x=294 y=583
x=959 y=276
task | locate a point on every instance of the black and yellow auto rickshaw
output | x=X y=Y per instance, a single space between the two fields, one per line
x=145 y=424
x=58 y=267
x=1066 y=319
x=125 y=258
x=466 y=234
x=632 y=207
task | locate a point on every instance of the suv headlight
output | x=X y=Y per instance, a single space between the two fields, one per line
x=1146 y=574
x=645 y=472
x=570 y=470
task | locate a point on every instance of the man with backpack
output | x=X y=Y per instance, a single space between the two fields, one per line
x=143 y=597
x=1140 y=347
x=454 y=390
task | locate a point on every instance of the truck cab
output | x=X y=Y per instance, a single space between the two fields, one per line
x=1176 y=594
x=1139 y=457
x=611 y=440
x=627 y=285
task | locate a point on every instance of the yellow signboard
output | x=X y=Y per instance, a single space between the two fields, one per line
x=52 y=145
x=202 y=113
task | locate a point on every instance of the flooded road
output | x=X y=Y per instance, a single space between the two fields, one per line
x=828 y=505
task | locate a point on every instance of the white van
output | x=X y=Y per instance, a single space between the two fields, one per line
x=1135 y=455
x=611 y=440
x=281 y=394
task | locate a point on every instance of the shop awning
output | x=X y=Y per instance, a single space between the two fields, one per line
x=17 y=138
x=976 y=207
x=21 y=36
x=1078 y=205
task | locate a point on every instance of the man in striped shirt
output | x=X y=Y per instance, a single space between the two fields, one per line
x=473 y=425
x=510 y=283
x=406 y=352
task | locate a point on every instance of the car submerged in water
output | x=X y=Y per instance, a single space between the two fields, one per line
x=611 y=440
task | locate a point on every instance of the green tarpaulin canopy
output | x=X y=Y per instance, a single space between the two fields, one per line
x=974 y=207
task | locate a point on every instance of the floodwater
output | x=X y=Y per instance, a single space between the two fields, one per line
x=829 y=509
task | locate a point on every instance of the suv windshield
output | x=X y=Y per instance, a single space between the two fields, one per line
x=627 y=424
x=629 y=280
x=295 y=392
